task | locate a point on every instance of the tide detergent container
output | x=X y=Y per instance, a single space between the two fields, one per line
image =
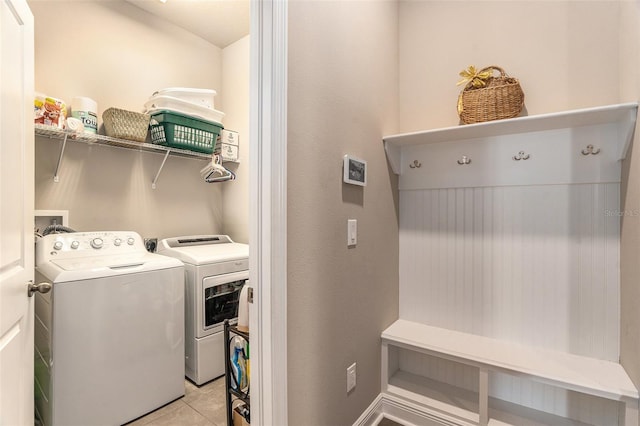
x=86 y=110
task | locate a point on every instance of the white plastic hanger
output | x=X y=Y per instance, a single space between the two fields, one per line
x=216 y=172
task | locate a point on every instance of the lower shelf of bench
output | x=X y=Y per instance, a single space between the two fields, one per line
x=589 y=376
x=582 y=374
x=461 y=406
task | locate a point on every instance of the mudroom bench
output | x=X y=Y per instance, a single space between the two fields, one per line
x=453 y=405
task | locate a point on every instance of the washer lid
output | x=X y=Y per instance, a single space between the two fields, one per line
x=203 y=249
x=84 y=268
x=100 y=262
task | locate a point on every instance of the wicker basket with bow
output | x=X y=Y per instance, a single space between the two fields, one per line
x=486 y=97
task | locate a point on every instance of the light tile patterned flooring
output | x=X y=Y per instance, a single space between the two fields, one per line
x=200 y=406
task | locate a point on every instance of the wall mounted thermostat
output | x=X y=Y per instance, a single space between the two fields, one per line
x=354 y=171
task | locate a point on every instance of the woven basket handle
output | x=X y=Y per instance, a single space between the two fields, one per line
x=494 y=67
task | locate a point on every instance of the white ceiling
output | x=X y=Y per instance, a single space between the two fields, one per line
x=221 y=22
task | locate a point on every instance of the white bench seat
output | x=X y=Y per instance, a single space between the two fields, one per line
x=591 y=376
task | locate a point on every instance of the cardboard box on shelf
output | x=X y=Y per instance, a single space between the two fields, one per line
x=238 y=420
x=229 y=152
x=230 y=137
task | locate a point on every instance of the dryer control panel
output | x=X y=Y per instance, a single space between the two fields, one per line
x=84 y=244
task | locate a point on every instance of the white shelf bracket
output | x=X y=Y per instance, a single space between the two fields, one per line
x=627 y=128
x=394 y=156
x=56 y=178
x=155 y=179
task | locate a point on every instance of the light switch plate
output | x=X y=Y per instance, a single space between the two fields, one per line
x=351 y=377
x=352 y=232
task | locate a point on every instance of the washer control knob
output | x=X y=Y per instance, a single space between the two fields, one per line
x=130 y=241
x=75 y=245
x=97 y=243
x=117 y=242
x=57 y=245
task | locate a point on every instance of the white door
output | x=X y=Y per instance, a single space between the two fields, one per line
x=16 y=212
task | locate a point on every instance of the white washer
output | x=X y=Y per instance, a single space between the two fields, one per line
x=109 y=336
x=216 y=268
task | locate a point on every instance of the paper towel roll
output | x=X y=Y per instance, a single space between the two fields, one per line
x=86 y=110
x=243 y=309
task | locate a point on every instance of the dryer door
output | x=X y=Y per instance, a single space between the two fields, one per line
x=220 y=295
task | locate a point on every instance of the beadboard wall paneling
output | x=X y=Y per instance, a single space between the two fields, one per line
x=534 y=264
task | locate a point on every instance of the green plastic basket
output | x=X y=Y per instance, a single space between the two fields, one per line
x=177 y=130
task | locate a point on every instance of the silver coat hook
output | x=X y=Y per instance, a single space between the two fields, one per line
x=464 y=160
x=590 y=150
x=521 y=156
x=415 y=165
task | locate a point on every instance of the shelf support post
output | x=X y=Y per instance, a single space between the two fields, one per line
x=628 y=413
x=483 y=396
x=384 y=380
x=56 y=178
x=155 y=179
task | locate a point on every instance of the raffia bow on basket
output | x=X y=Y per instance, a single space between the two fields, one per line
x=486 y=97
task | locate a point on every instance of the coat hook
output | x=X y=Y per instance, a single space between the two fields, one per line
x=521 y=156
x=415 y=165
x=464 y=160
x=590 y=150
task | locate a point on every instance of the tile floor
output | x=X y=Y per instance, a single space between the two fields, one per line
x=200 y=406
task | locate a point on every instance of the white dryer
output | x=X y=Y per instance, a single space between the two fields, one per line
x=216 y=269
x=109 y=336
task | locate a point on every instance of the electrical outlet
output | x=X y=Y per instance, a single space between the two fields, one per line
x=351 y=377
x=151 y=244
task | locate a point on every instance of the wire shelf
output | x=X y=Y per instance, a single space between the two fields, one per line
x=102 y=140
x=88 y=138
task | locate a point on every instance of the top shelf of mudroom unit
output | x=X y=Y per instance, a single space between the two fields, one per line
x=621 y=115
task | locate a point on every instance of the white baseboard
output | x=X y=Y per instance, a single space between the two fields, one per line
x=403 y=412
x=372 y=415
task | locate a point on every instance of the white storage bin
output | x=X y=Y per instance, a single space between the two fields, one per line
x=163 y=102
x=201 y=97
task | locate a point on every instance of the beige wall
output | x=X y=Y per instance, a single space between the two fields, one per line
x=235 y=82
x=630 y=240
x=342 y=99
x=119 y=55
x=564 y=53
